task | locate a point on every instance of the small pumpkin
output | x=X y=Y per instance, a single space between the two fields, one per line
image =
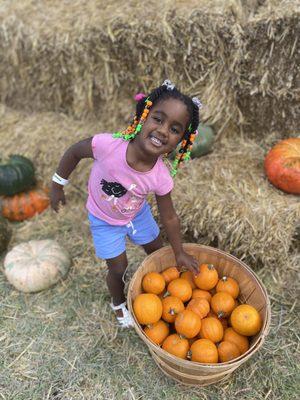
x=207 y=277
x=199 y=306
x=201 y=294
x=228 y=351
x=16 y=175
x=188 y=324
x=212 y=329
x=25 y=205
x=147 y=308
x=222 y=304
x=204 y=351
x=228 y=285
x=153 y=282
x=189 y=276
x=180 y=288
x=172 y=306
x=5 y=234
x=223 y=321
x=157 y=332
x=36 y=265
x=282 y=165
x=176 y=345
x=246 y=320
x=169 y=274
x=242 y=342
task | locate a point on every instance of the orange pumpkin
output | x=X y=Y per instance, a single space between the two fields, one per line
x=188 y=324
x=147 y=308
x=212 y=329
x=207 y=277
x=180 y=288
x=169 y=274
x=246 y=320
x=242 y=342
x=222 y=304
x=153 y=282
x=176 y=345
x=188 y=275
x=25 y=205
x=157 y=332
x=199 y=306
x=228 y=285
x=204 y=351
x=201 y=294
x=228 y=351
x=171 y=307
x=282 y=165
x=223 y=321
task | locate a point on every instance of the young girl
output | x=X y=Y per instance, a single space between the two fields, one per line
x=127 y=166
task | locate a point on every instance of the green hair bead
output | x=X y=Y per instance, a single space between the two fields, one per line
x=117 y=135
x=138 y=128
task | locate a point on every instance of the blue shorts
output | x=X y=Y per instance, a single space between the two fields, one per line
x=110 y=240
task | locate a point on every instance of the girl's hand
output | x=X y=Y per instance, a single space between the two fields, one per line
x=185 y=260
x=57 y=196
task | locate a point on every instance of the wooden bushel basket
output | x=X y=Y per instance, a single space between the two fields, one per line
x=251 y=292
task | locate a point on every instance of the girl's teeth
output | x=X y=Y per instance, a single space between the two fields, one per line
x=156 y=141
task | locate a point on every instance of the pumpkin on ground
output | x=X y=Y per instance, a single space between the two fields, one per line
x=147 y=308
x=246 y=320
x=204 y=351
x=282 y=165
x=5 y=234
x=25 y=205
x=36 y=265
x=16 y=175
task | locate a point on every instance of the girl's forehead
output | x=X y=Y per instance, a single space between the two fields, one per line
x=174 y=109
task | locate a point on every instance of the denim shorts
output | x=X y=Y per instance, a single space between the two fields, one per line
x=110 y=240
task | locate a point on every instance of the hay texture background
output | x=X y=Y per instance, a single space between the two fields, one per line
x=83 y=57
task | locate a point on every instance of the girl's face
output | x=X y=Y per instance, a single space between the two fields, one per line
x=164 y=127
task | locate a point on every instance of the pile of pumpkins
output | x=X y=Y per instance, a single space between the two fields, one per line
x=196 y=317
x=20 y=198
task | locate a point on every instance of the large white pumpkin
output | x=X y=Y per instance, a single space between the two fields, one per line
x=36 y=265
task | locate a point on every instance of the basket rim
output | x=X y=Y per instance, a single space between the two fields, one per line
x=186 y=363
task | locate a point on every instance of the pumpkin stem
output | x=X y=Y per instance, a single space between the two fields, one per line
x=221 y=314
x=172 y=311
x=210 y=266
x=166 y=294
x=224 y=278
x=189 y=355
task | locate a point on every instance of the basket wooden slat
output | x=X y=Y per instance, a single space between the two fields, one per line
x=251 y=291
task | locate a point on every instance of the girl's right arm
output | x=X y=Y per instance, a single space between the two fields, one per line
x=67 y=164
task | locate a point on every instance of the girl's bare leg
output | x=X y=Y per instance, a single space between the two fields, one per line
x=116 y=269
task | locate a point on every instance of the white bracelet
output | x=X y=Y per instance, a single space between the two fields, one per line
x=58 y=179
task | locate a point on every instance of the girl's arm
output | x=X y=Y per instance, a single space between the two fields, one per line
x=67 y=164
x=171 y=224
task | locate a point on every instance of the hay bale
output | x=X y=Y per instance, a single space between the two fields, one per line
x=224 y=199
x=82 y=57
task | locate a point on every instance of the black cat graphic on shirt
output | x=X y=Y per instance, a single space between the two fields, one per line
x=113 y=188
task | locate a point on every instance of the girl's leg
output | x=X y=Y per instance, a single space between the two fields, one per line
x=114 y=279
x=156 y=244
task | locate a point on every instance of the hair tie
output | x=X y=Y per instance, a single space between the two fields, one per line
x=197 y=102
x=168 y=84
x=139 y=96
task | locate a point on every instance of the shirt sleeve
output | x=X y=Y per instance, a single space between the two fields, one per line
x=100 y=144
x=165 y=182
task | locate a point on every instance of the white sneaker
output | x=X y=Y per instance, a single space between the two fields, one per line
x=126 y=321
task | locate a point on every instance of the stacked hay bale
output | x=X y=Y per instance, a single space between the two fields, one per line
x=89 y=63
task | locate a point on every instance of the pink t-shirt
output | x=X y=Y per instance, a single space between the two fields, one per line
x=117 y=192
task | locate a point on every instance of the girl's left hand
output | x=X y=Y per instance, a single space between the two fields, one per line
x=185 y=260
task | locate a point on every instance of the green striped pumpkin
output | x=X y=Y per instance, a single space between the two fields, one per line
x=16 y=175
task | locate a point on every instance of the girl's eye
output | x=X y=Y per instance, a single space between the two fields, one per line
x=157 y=119
x=174 y=130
